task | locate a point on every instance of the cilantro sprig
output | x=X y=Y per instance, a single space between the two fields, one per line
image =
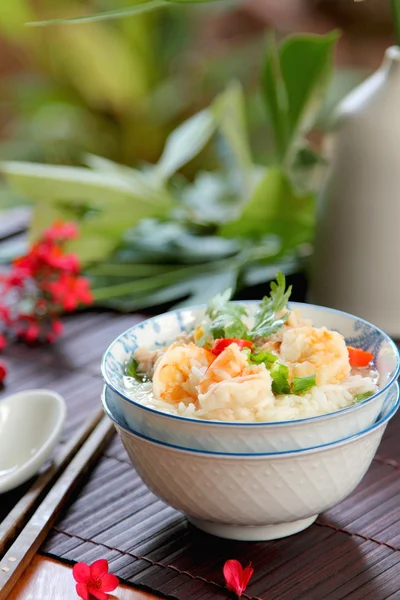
x=131 y=370
x=266 y=321
x=226 y=317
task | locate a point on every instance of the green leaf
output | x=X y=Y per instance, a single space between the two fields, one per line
x=13 y=16
x=185 y=142
x=113 y=204
x=229 y=110
x=266 y=320
x=78 y=52
x=280 y=378
x=205 y=286
x=275 y=207
x=254 y=274
x=211 y=199
x=173 y=241
x=226 y=317
x=275 y=95
x=293 y=81
x=144 y=184
x=300 y=385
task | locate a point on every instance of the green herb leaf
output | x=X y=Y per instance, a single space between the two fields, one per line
x=280 y=378
x=132 y=371
x=226 y=317
x=266 y=321
x=263 y=357
x=363 y=396
x=303 y=384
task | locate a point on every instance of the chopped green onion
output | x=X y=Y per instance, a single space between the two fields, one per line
x=364 y=396
x=303 y=384
x=247 y=351
x=280 y=378
x=263 y=357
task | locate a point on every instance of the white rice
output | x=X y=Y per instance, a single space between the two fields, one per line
x=318 y=401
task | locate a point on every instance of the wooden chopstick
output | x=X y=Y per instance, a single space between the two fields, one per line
x=16 y=519
x=18 y=557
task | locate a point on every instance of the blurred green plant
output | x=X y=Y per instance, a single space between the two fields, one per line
x=128 y=11
x=149 y=235
x=113 y=88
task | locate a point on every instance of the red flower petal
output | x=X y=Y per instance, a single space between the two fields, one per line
x=81 y=572
x=233 y=572
x=236 y=578
x=82 y=591
x=109 y=582
x=247 y=575
x=98 y=569
x=96 y=593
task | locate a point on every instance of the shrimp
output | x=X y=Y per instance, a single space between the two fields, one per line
x=230 y=363
x=231 y=389
x=311 y=351
x=175 y=372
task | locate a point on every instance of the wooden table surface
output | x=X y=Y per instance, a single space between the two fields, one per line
x=47 y=579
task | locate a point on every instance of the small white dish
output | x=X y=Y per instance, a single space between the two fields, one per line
x=30 y=427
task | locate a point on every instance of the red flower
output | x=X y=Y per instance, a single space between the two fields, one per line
x=41 y=285
x=32 y=332
x=3 y=371
x=237 y=578
x=3 y=341
x=70 y=291
x=94 y=579
x=60 y=232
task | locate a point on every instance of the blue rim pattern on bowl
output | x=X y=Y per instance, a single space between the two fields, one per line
x=364 y=340
x=381 y=421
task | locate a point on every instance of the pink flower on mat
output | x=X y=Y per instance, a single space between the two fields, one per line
x=94 y=580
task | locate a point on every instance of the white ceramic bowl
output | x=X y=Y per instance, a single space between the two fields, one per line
x=219 y=436
x=254 y=496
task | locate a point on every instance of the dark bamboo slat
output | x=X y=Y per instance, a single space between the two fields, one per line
x=17 y=517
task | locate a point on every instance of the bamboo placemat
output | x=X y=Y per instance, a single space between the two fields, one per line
x=352 y=552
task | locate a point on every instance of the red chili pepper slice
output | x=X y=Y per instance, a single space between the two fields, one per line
x=220 y=345
x=358 y=357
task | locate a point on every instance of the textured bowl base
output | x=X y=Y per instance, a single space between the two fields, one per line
x=253 y=533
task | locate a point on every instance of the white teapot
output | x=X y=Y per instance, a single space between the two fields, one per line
x=356 y=263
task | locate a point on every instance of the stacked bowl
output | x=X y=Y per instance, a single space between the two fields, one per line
x=251 y=481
